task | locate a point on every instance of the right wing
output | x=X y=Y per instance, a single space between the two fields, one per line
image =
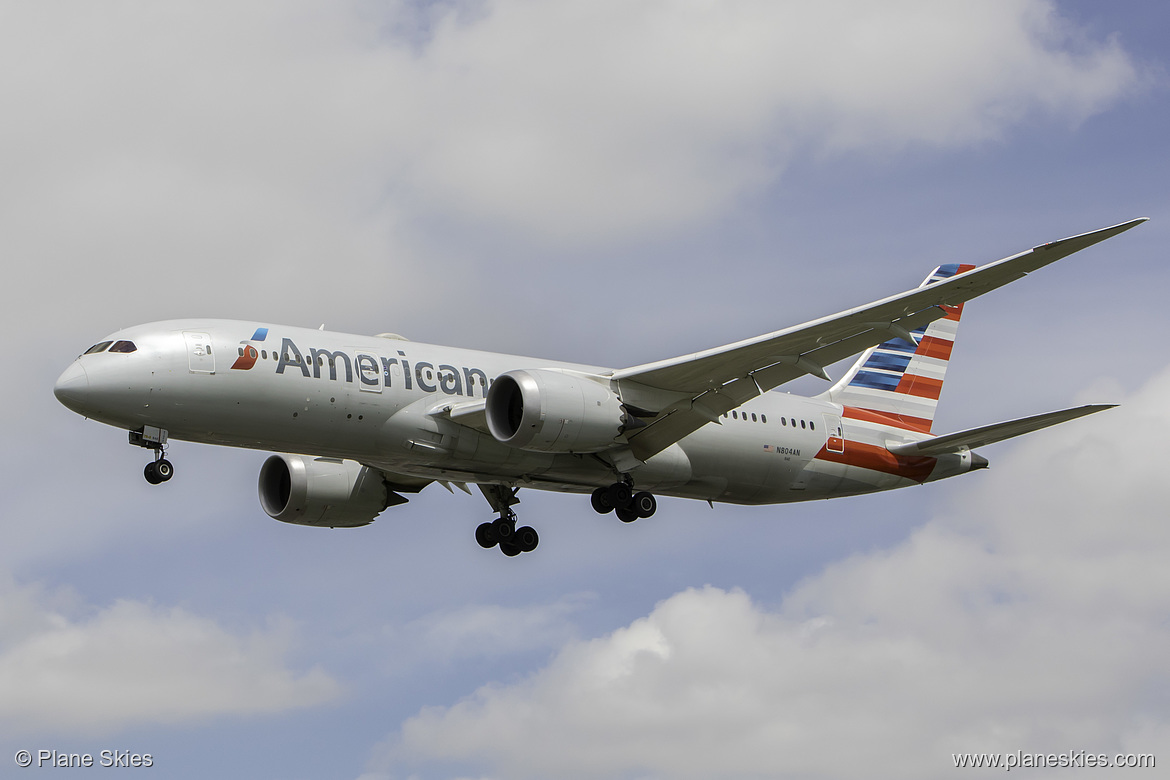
x=676 y=397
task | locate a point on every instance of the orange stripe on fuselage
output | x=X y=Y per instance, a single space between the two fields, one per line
x=874 y=458
x=899 y=421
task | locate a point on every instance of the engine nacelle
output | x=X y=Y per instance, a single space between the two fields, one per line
x=551 y=411
x=323 y=492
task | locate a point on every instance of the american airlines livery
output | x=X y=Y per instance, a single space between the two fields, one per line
x=362 y=420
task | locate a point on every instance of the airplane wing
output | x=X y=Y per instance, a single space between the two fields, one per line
x=678 y=396
x=990 y=434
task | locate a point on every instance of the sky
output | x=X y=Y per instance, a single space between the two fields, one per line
x=610 y=183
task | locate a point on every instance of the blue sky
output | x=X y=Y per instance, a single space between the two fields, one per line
x=611 y=183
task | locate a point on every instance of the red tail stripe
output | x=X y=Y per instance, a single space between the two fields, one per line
x=932 y=346
x=901 y=421
x=920 y=386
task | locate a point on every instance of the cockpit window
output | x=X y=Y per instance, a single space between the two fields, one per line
x=124 y=346
x=96 y=348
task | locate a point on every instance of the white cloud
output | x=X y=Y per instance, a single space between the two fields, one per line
x=489 y=630
x=1030 y=617
x=71 y=670
x=589 y=119
x=306 y=132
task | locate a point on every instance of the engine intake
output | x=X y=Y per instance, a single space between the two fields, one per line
x=323 y=492
x=553 y=411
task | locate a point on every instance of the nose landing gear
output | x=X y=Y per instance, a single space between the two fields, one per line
x=155 y=439
x=159 y=470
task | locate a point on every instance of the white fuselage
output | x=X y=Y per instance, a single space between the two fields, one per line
x=382 y=402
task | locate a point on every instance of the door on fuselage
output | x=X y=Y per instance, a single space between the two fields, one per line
x=836 y=436
x=202 y=361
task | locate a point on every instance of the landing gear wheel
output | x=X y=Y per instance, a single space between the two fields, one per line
x=526 y=538
x=619 y=495
x=504 y=529
x=486 y=536
x=644 y=504
x=627 y=515
x=600 y=500
x=151 y=473
x=509 y=549
x=164 y=469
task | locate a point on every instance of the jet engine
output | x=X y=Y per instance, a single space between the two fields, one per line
x=323 y=492
x=553 y=411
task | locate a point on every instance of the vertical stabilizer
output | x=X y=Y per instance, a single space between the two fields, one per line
x=898 y=383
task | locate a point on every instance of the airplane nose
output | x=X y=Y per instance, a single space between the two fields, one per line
x=72 y=388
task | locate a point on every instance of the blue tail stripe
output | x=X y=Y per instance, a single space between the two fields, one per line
x=944 y=272
x=897 y=345
x=876 y=381
x=888 y=362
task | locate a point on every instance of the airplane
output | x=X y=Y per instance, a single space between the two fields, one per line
x=359 y=421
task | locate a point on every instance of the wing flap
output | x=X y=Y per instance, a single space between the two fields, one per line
x=990 y=434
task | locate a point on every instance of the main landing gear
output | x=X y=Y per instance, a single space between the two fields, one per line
x=620 y=498
x=503 y=530
x=155 y=439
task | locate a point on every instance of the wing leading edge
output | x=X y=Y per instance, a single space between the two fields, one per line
x=682 y=394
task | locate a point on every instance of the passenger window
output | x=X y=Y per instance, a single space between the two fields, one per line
x=96 y=348
x=240 y=350
x=263 y=354
x=753 y=416
x=802 y=423
x=764 y=418
x=735 y=415
x=812 y=425
x=127 y=346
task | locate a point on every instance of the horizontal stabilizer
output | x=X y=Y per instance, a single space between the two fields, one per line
x=990 y=434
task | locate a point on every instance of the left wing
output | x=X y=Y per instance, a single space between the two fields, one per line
x=678 y=396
